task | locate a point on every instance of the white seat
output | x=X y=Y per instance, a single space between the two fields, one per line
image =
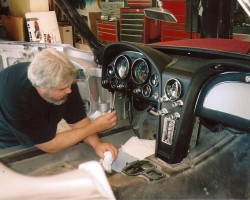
x=86 y=182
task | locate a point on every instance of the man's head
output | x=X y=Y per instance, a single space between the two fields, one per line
x=52 y=73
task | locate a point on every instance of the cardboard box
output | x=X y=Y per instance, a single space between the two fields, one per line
x=66 y=34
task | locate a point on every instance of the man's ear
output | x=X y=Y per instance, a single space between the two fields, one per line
x=40 y=90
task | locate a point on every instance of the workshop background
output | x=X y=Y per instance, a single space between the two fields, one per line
x=122 y=20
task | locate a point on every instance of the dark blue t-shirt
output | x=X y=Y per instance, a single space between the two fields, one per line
x=25 y=117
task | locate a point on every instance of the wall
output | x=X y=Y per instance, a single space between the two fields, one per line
x=20 y=7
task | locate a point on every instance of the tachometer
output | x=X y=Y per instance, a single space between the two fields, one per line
x=140 y=71
x=122 y=67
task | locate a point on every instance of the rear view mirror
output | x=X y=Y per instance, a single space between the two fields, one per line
x=159 y=13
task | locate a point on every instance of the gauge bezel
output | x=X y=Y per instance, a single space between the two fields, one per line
x=113 y=82
x=142 y=90
x=116 y=68
x=167 y=91
x=110 y=66
x=158 y=80
x=133 y=68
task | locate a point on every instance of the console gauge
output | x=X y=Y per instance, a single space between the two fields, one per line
x=110 y=70
x=122 y=67
x=154 y=80
x=113 y=82
x=146 y=90
x=173 y=89
x=140 y=71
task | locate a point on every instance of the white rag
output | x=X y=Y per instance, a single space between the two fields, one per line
x=139 y=148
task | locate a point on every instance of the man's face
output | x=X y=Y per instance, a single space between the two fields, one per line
x=57 y=95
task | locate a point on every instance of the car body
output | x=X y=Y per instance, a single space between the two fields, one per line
x=190 y=96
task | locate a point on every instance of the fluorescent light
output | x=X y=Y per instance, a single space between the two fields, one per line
x=245 y=4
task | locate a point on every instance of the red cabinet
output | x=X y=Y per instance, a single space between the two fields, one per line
x=140 y=3
x=135 y=27
x=108 y=31
x=176 y=31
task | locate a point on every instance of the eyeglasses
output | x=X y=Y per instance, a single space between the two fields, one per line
x=145 y=168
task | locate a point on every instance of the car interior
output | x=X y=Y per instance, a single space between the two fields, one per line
x=183 y=121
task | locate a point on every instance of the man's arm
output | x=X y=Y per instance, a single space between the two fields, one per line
x=98 y=145
x=84 y=130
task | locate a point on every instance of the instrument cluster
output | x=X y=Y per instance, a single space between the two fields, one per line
x=132 y=73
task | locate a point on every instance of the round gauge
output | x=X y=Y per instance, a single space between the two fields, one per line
x=173 y=89
x=154 y=80
x=113 y=82
x=110 y=70
x=140 y=71
x=121 y=67
x=146 y=90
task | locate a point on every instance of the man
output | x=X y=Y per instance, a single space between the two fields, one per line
x=35 y=96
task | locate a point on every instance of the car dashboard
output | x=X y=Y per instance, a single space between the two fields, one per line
x=132 y=73
x=155 y=82
x=177 y=91
x=170 y=87
x=134 y=70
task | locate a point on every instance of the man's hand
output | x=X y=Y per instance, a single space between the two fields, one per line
x=106 y=121
x=102 y=147
x=102 y=123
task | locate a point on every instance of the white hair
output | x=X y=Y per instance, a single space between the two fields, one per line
x=50 y=67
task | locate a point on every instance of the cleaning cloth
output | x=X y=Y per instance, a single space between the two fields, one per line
x=139 y=148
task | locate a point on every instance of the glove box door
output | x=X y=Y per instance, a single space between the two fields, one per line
x=225 y=99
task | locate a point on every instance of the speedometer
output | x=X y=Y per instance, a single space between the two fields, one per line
x=121 y=67
x=140 y=71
